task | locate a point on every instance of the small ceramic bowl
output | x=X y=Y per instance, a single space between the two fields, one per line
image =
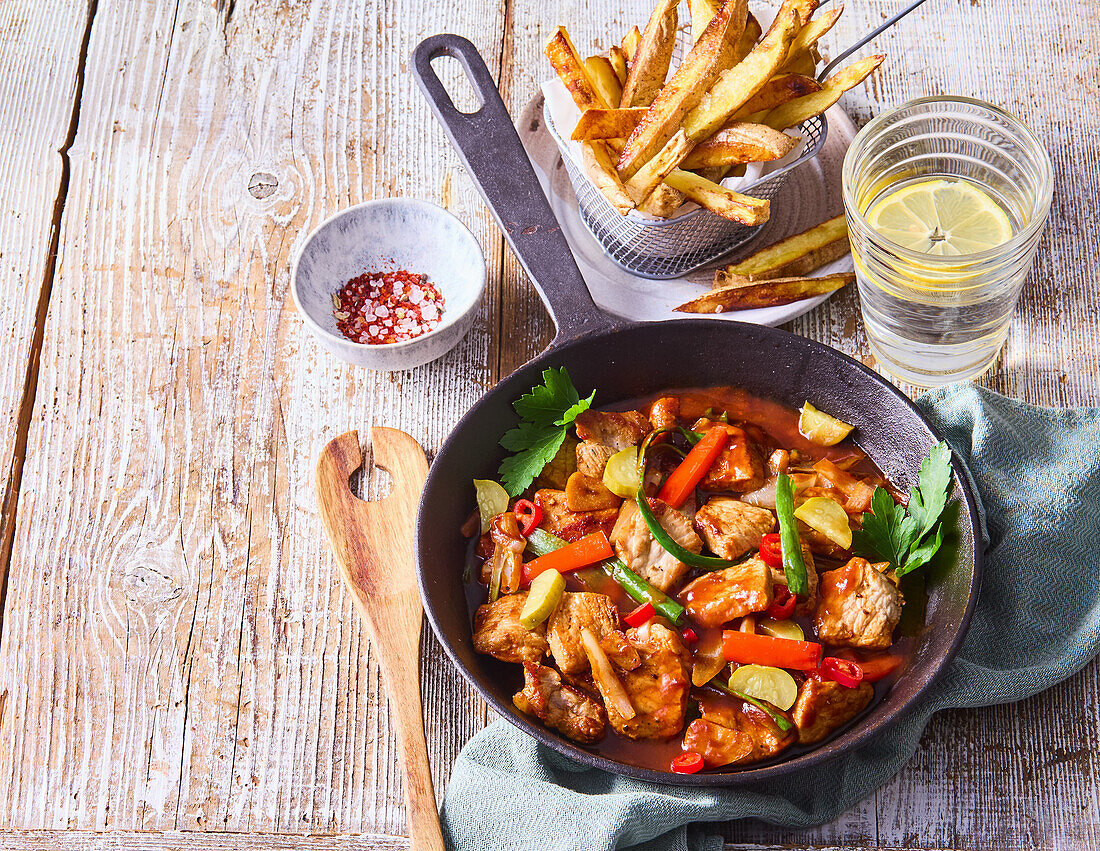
x=381 y=236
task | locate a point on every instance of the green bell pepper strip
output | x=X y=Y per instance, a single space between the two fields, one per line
x=782 y=723
x=794 y=568
x=674 y=549
x=541 y=542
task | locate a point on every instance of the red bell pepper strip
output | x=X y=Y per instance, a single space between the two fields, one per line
x=581 y=553
x=783 y=604
x=844 y=671
x=528 y=514
x=688 y=763
x=640 y=615
x=747 y=648
x=771 y=550
x=879 y=667
x=679 y=486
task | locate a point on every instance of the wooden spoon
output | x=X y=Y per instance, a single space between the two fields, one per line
x=373 y=543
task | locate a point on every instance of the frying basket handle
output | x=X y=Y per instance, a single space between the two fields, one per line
x=490 y=148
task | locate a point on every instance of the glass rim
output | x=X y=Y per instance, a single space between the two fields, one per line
x=1043 y=200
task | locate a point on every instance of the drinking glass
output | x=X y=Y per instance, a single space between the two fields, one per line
x=935 y=319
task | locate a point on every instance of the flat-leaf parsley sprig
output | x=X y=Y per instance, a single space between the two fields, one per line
x=545 y=416
x=908 y=538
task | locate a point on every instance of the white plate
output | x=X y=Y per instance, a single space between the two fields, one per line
x=811 y=195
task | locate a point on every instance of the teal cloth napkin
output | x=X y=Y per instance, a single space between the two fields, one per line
x=1037 y=475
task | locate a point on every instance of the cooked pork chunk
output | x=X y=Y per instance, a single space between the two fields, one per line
x=732 y=528
x=585 y=493
x=658 y=687
x=498 y=632
x=665 y=412
x=571 y=525
x=568 y=710
x=823 y=706
x=598 y=613
x=718 y=597
x=641 y=553
x=732 y=732
x=859 y=607
x=740 y=466
x=603 y=433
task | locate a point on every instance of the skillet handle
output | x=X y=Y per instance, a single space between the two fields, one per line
x=490 y=148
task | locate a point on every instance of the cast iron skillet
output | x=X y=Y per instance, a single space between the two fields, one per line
x=625 y=361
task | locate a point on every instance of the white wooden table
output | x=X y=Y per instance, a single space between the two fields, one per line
x=177 y=654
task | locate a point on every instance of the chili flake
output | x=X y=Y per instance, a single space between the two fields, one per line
x=387 y=307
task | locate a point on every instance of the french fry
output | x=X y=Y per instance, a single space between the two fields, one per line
x=734 y=87
x=653 y=55
x=794 y=256
x=702 y=11
x=740 y=143
x=567 y=63
x=599 y=165
x=764 y=294
x=663 y=202
x=630 y=41
x=803 y=64
x=617 y=56
x=712 y=52
x=794 y=112
x=608 y=123
x=778 y=90
x=718 y=199
x=603 y=77
x=805 y=42
x=748 y=39
x=649 y=176
x=805 y=9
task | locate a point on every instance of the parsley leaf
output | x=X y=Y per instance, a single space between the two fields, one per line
x=546 y=413
x=908 y=538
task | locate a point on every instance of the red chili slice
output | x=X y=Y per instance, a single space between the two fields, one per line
x=771 y=550
x=640 y=615
x=528 y=514
x=689 y=635
x=783 y=604
x=844 y=671
x=688 y=763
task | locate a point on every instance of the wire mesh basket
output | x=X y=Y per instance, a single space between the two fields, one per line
x=670 y=248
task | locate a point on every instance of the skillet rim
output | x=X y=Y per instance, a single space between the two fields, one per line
x=851 y=737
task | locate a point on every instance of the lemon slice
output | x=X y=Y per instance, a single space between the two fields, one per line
x=943 y=218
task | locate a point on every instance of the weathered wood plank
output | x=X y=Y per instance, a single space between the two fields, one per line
x=180 y=652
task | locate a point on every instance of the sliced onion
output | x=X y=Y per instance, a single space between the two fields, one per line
x=604 y=675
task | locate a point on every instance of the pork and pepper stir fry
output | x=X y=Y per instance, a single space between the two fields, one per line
x=701 y=574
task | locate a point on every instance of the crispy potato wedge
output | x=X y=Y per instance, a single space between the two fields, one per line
x=702 y=11
x=803 y=64
x=804 y=43
x=806 y=9
x=794 y=112
x=649 y=67
x=718 y=199
x=617 y=57
x=748 y=39
x=712 y=52
x=608 y=123
x=763 y=294
x=630 y=41
x=599 y=165
x=778 y=90
x=649 y=177
x=794 y=256
x=663 y=202
x=734 y=87
x=567 y=64
x=739 y=143
x=603 y=77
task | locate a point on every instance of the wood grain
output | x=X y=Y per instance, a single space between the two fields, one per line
x=373 y=546
x=177 y=654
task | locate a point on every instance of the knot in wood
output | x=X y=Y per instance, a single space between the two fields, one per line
x=262 y=184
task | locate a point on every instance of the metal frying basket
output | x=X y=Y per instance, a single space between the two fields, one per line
x=669 y=248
